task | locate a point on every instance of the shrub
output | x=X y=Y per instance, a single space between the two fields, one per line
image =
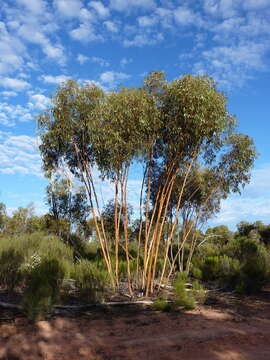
x=229 y=272
x=210 y=268
x=42 y=288
x=198 y=292
x=254 y=273
x=196 y=272
x=90 y=280
x=162 y=305
x=10 y=268
x=253 y=264
x=37 y=244
x=182 y=296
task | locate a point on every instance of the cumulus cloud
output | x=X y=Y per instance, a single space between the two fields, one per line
x=82 y=59
x=34 y=6
x=222 y=8
x=30 y=33
x=111 y=78
x=85 y=33
x=123 y=5
x=144 y=39
x=252 y=205
x=111 y=26
x=19 y=155
x=14 y=84
x=39 y=102
x=147 y=21
x=232 y=64
x=98 y=60
x=51 y=79
x=185 y=16
x=100 y=9
x=8 y=94
x=9 y=114
x=68 y=8
x=125 y=61
x=12 y=50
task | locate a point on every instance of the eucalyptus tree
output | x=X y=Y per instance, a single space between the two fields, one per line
x=68 y=206
x=86 y=129
x=170 y=127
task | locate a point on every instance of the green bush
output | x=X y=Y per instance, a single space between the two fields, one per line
x=210 y=268
x=198 y=292
x=91 y=280
x=254 y=273
x=42 y=288
x=162 y=305
x=196 y=272
x=253 y=269
x=182 y=296
x=229 y=272
x=10 y=268
x=37 y=244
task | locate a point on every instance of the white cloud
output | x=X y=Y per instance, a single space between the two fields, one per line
x=185 y=16
x=252 y=205
x=82 y=59
x=12 y=51
x=14 y=84
x=68 y=8
x=247 y=54
x=101 y=10
x=222 y=8
x=165 y=16
x=51 y=79
x=112 y=78
x=147 y=21
x=232 y=64
x=98 y=60
x=54 y=51
x=125 y=61
x=85 y=33
x=124 y=5
x=39 y=102
x=7 y=94
x=255 y=4
x=9 y=114
x=111 y=26
x=19 y=155
x=144 y=39
x=35 y=6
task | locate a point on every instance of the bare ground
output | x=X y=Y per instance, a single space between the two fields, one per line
x=228 y=328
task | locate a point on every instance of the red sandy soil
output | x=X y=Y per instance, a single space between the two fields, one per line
x=229 y=329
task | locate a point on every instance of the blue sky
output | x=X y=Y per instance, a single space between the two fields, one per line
x=114 y=42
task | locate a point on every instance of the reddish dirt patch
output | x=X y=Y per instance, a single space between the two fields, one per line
x=229 y=329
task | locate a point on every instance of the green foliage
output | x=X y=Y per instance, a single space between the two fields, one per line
x=10 y=268
x=43 y=288
x=166 y=125
x=37 y=244
x=182 y=296
x=67 y=206
x=196 y=272
x=255 y=269
x=91 y=280
x=162 y=305
x=211 y=267
x=198 y=292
